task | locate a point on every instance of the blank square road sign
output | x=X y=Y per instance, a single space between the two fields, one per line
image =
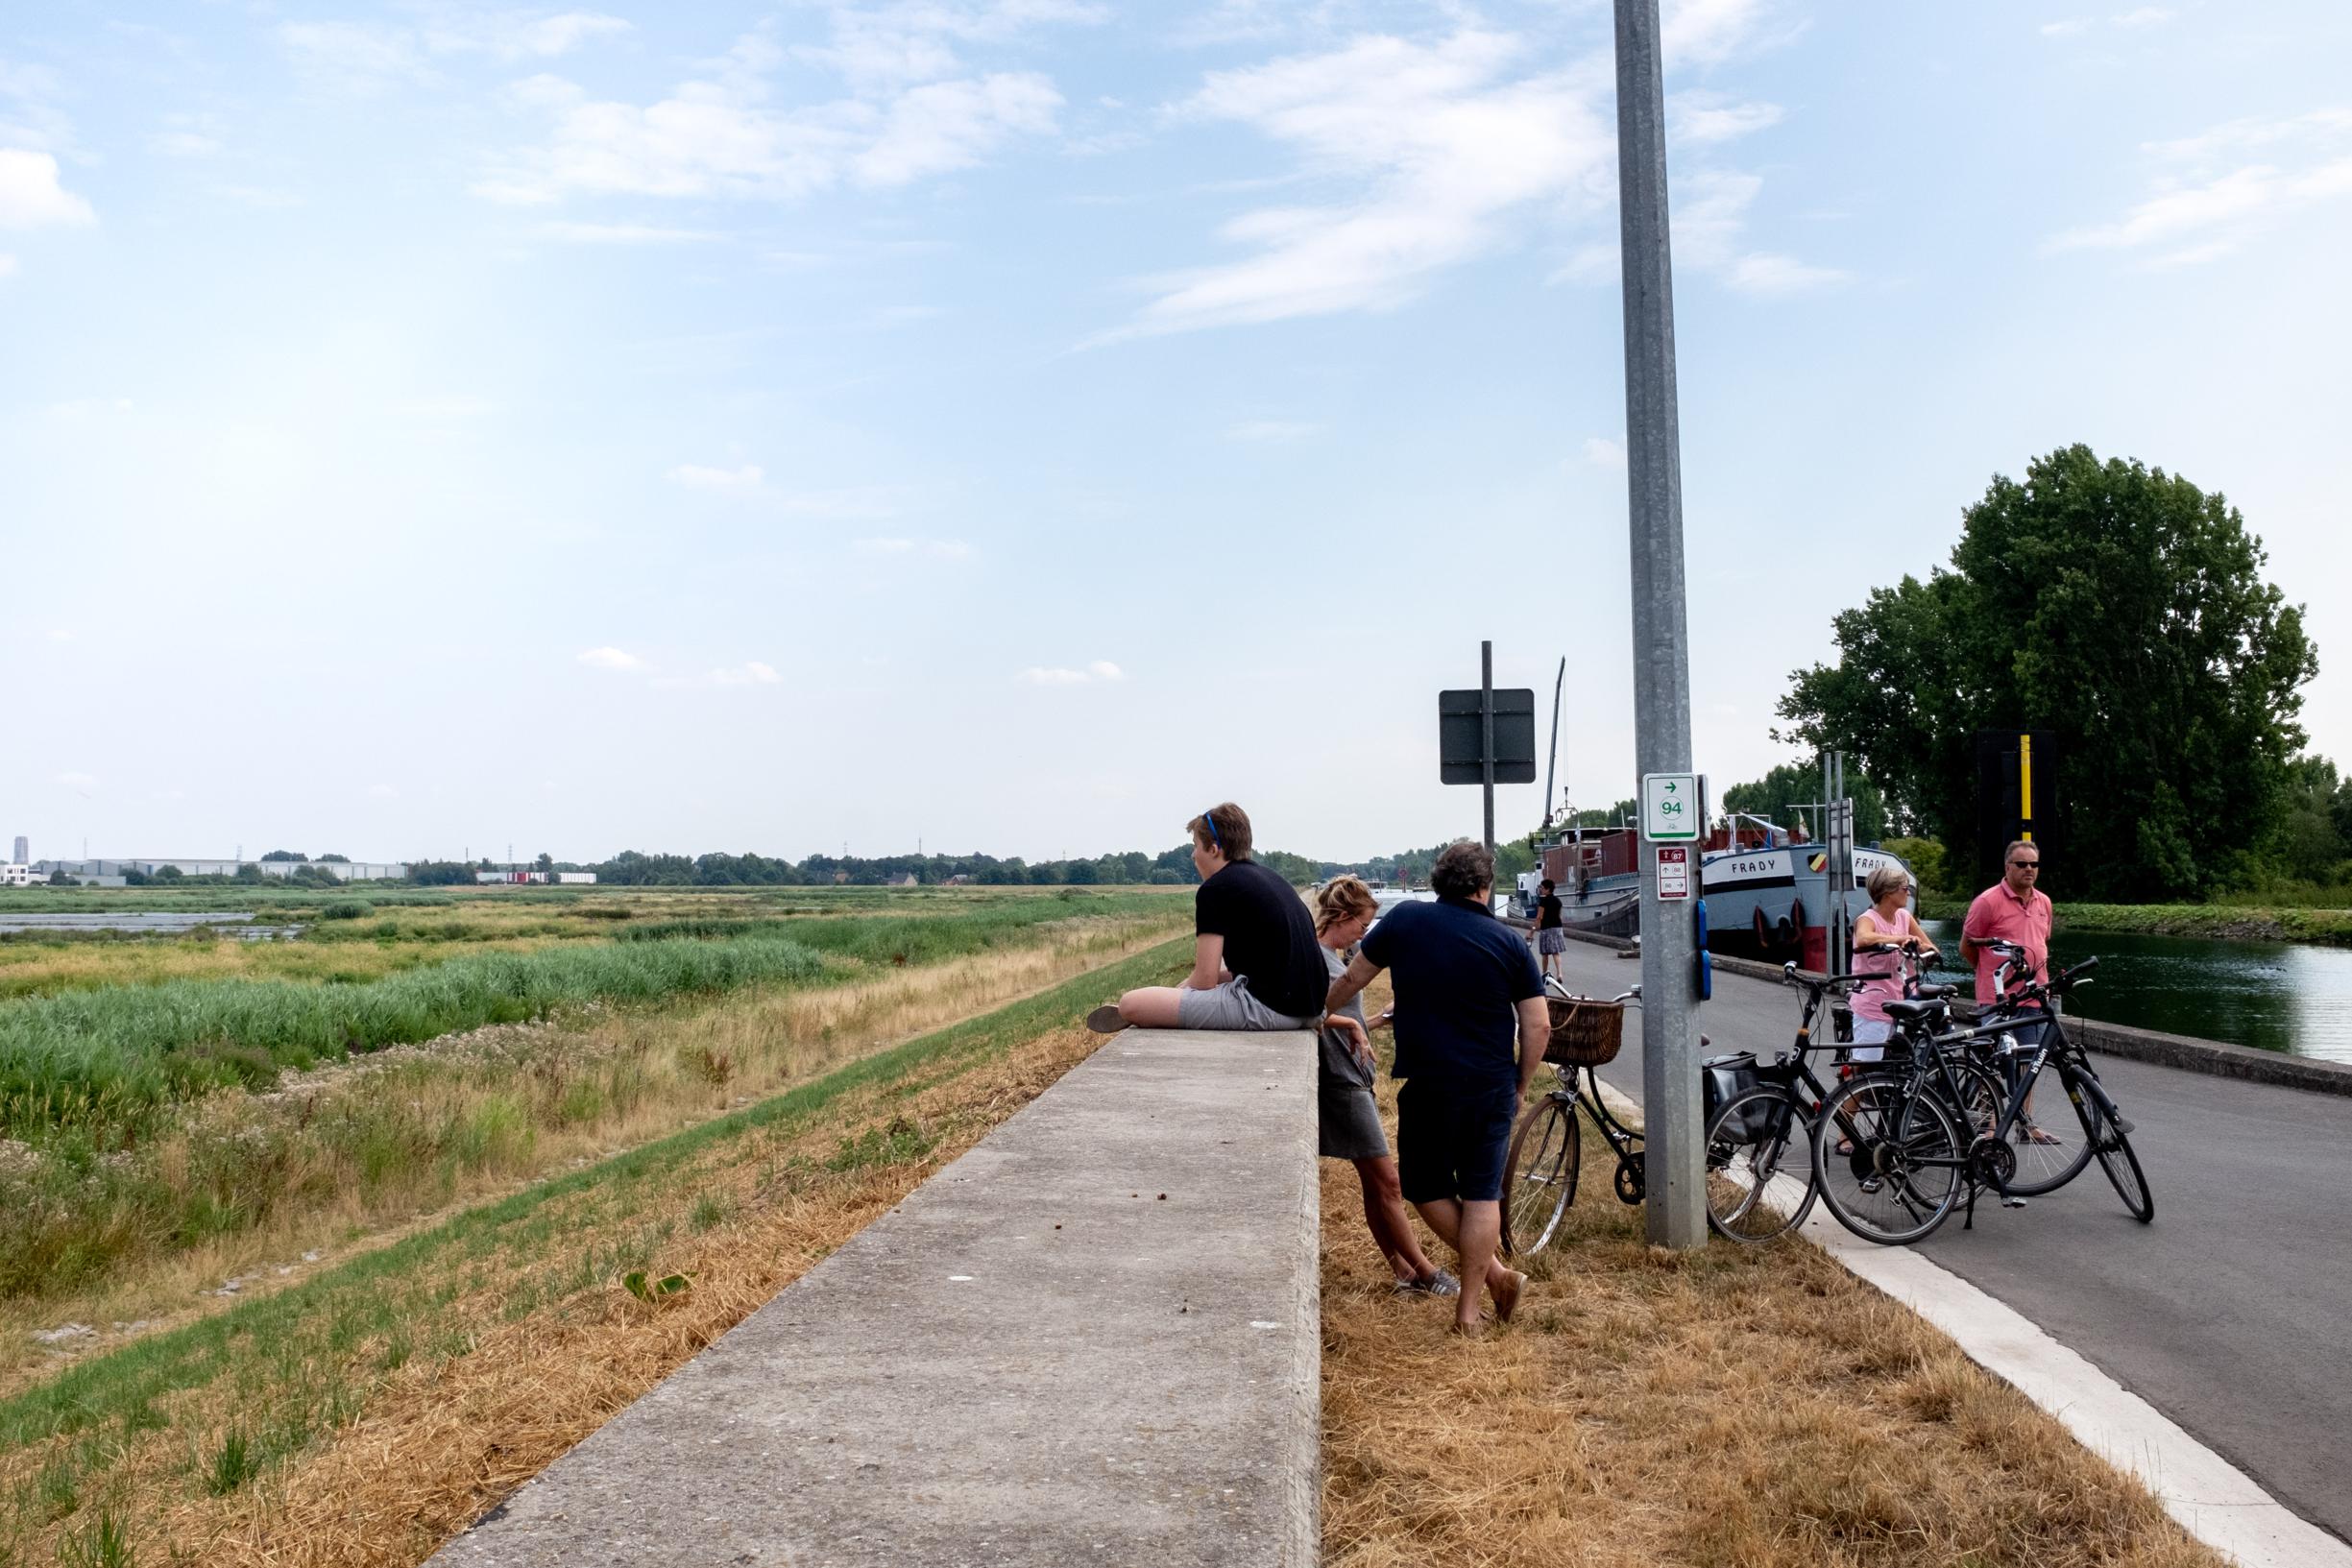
x=1514 y=737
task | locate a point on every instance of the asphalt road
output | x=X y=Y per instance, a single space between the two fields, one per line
x=2231 y=1312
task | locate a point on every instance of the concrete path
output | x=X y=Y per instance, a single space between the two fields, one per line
x=2231 y=1314
x=1094 y=1339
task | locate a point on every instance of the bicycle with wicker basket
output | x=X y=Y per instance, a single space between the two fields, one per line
x=1540 y=1174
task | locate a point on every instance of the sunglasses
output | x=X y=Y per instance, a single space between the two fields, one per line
x=2026 y=865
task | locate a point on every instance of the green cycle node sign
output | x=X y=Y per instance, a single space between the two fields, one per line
x=1670 y=809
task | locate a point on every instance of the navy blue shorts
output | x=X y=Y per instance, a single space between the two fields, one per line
x=1451 y=1141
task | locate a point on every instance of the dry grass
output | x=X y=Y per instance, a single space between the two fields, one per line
x=536 y=1349
x=1754 y=1407
x=540 y=1099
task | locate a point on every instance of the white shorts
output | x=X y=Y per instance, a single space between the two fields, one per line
x=1869 y=1037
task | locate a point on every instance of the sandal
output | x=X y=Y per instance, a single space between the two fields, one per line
x=1105 y=1019
x=2033 y=1132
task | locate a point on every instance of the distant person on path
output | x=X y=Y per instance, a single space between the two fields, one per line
x=1467 y=991
x=1348 y=1116
x=1256 y=964
x=1879 y=937
x=2013 y=910
x=1551 y=938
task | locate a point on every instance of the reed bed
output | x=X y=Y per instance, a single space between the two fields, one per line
x=364 y=1415
x=242 y=1183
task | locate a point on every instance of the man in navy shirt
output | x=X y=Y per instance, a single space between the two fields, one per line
x=1471 y=1025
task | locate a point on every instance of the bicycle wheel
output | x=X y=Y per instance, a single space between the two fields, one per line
x=1539 y=1175
x=2040 y=1168
x=2113 y=1147
x=1887 y=1162
x=1759 y=1170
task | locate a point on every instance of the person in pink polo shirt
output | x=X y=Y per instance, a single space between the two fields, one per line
x=2014 y=909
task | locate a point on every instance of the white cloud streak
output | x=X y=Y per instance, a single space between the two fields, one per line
x=911 y=111
x=31 y=196
x=941 y=549
x=1445 y=143
x=608 y=658
x=1101 y=671
x=2207 y=198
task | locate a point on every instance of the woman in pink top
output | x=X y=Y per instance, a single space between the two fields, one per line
x=1879 y=936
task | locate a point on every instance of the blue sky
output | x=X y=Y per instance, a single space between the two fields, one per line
x=1017 y=424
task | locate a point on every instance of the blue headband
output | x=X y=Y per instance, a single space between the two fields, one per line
x=1210 y=823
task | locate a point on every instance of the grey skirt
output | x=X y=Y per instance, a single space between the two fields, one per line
x=1349 y=1123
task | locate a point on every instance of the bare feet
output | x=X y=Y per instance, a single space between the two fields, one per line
x=1507 y=1295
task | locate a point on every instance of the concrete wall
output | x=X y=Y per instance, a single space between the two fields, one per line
x=1096 y=1338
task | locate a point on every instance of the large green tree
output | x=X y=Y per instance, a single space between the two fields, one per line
x=2116 y=605
x=1774 y=796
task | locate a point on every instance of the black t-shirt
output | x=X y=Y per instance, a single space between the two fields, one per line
x=1269 y=938
x=1460 y=976
x=1547 y=911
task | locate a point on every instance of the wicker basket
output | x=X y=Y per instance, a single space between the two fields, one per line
x=1584 y=1033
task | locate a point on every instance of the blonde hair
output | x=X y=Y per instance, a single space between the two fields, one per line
x=1884 y=881
x=1342 y=898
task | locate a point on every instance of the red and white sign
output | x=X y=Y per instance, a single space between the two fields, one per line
x=1673 y=871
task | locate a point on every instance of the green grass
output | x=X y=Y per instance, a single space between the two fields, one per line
x=2258 y=922
x=105 y=1065
x=299 y=1359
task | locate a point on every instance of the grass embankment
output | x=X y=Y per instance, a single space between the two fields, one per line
x=364 y=1415
x=1749 y=1406
x=239 y=1180
x=2240 y=922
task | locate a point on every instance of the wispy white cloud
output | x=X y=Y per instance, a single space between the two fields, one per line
x=1604 y=453
x=186 y=135
x=943 y=549
x=2069 y=28
x=1705 y=118
x=608 y=658
x=621 y=233
x=382 y=792
x=371 y=55
x=748 y=481
x=2206 y=199
x=1442 y=141
x=1710 y=225
x=8 y=264
x=2143 y=16
x=1272 y=432
x=752 y=673
x=78 y=781
x=446 y=408
x=31 y=196
x=1709 y=32
x=1099 y=672
x=912 y=109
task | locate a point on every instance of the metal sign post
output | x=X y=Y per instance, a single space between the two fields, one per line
x=1675 y=1167
x=1486 y=736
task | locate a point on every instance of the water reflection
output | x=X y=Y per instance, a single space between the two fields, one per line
x=2275 y=996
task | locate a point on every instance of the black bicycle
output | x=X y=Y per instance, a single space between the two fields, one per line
x=1761 y=1118
x=1916 y=1139
x=1546 y=1158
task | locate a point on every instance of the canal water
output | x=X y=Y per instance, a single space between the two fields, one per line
x=2274 y=996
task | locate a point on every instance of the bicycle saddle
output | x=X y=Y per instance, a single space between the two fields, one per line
x=1913 y=1009
x=1936 y=993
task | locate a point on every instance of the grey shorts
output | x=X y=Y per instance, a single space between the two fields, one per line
x=1348 y=1125
x=1231 y=1006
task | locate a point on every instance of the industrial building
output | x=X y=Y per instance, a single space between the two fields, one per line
x=111 y=873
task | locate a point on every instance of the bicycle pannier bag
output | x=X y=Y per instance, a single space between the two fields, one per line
x=1722 y=1078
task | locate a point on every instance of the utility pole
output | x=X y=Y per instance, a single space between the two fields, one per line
x=1675 y=1171
x=1486 y=732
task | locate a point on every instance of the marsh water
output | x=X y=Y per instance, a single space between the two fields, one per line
x=155 y=923
x=2274 y=996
